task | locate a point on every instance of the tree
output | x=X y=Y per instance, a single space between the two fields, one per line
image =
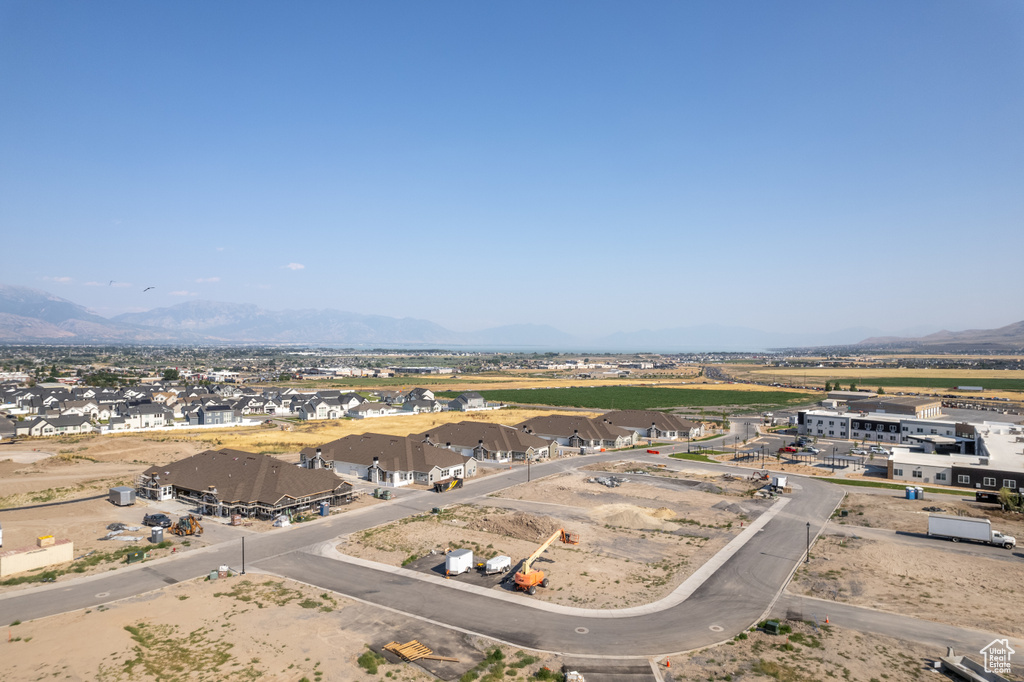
x=853 y=386
x=828 y=387
x=725 y=421
x=880 y=391
x=171 y=375
x=284 y=376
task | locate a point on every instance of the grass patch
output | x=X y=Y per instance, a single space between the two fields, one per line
x=164 y=654
x=890 y=486
x=693 y=457
x=644 y=398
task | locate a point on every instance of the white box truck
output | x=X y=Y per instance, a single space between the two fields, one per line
x=498 y=564
x=957 y=528
x=458 y=561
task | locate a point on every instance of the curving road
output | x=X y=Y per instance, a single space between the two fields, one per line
x=736 y=595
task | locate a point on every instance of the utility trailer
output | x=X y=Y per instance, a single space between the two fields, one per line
x=458 y=561
x=957 y=528
x=498 y=564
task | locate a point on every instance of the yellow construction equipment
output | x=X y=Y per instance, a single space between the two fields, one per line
x=187 y=525
x=527 y=578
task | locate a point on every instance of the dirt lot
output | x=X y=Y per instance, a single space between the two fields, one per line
x=234 y=630
x=925 y=579
x=638 y=541
x=920 y=581
x=894 y=512
x=811 y=654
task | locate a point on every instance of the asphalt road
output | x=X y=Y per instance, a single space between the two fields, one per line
x=739 y=593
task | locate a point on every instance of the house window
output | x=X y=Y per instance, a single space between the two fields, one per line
x=920 y=430
x=831 y=433
x=892 y=438
x=963 y=478
x=917 y=474
x=940 y=477
x=897 y=472
x=988 y=481
x=831 y=423
x=1009 y=483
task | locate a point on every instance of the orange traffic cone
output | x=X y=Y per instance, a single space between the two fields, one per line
x=668 y=663
x=826 y=620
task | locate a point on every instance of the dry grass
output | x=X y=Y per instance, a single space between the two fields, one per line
x=848 y=372
x=277 y=441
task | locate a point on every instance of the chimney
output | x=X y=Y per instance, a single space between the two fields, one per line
x=448 y=445
x=318 y=452
x=376 y=461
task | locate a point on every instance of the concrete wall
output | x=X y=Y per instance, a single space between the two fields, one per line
x=28 y=558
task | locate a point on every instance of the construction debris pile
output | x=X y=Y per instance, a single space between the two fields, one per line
x=521 y=526
x=609 y=481
x=116 y=532
x=414 y=650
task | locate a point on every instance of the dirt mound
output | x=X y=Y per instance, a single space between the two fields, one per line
x=631 y=516
x=521 y=526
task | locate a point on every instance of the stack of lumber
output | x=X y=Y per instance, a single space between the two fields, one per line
x=413 y=650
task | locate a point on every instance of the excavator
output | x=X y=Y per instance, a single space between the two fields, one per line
x=527 y=578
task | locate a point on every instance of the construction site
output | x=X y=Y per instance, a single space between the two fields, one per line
x=607 y=543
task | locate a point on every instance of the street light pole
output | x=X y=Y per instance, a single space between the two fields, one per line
x=243 y=555
x=527 y=467
x=807 y=556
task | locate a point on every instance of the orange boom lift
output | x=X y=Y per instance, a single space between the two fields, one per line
x=527 y=579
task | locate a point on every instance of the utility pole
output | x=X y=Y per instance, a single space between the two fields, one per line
x=243 y=555
x=807 y=556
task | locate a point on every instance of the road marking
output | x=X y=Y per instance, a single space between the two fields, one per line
x=582 y=631
x=716 y=628
x=101 y=595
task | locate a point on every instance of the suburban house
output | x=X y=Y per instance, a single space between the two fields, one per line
x=321 y=408
x=420 y=394
x=367 y=409
x=54 y=426
x=418 y=406
x=652 y=424
x=392 y=460
x=580 y=432
x=227 y=482
x=471 y=401
x=487 y=442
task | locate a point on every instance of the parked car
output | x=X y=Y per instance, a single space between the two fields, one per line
x=788 y=448
x=858 y=451
x=162 y=520
x=814 y=451
x=878 y=450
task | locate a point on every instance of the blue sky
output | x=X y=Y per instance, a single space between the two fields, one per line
x=591 y=165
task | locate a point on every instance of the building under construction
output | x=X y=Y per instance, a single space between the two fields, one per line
x=229 y=482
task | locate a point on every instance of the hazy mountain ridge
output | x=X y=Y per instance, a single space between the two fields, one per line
x=1004 y=338
x=33 y=316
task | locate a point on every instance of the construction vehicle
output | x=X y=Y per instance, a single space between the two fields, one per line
x=187 y=525
x=527 y=578
x=447 y=484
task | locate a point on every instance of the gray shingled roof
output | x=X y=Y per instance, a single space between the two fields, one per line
x=564 y=425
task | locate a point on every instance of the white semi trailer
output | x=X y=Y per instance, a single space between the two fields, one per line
x=957 y=528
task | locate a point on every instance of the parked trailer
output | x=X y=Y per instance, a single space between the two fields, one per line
x=957 y=528
x=498 y=564
x=458 y=561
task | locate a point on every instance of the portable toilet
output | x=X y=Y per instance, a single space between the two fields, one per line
x=909 y=492
x=156 y=535
x=919 y=492
x=122 y=496
x=325 y=509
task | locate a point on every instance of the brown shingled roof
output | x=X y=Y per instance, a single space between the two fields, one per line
x=246 y=477
x=496 y=437
x=394 y=453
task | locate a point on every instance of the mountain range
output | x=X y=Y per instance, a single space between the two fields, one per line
x=34 y=316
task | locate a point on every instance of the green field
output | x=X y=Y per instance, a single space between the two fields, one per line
x=644 y=398
x=933 y=382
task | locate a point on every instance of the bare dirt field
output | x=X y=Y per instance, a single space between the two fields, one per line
x=638 y=541
x=893 y=511
x=920 y=581
x=811 y=653
x=241 y=628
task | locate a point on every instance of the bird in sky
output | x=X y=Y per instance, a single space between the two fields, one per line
x=111 y=283
x=147 y=289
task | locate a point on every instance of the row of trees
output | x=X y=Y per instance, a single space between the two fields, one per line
x=853 y=387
